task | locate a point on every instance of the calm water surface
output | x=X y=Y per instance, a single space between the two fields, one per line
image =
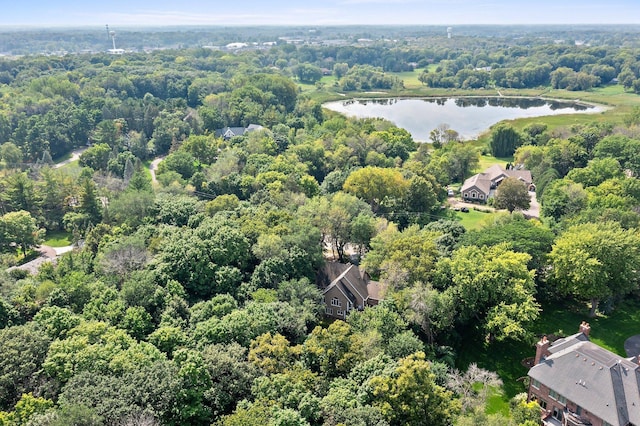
x=468 y=116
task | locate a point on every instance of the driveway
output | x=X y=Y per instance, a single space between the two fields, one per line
x=632 y=346
x=75 y=154
x=533 y=211
x=47 y=254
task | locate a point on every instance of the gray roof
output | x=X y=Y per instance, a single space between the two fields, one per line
x=523 y=175
x=594 y=378
x=494 y=175
x=350 y=279
x=229 y=132
x=480 y=181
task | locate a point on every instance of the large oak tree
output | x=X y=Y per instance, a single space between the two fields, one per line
x=595 y=261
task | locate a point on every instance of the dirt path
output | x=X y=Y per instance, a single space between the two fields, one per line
x=153 y=167
x=75 y=154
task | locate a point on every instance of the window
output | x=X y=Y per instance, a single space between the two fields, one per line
x=349 y=305
x=578 y=410
x=328 y=311
x=542 y=404
x=336 y=302
x=557 y=413
x=474 y=195
x=482 y=196
x=555 y=395
x=535 y=383
x=466 y=195
x=340 y=313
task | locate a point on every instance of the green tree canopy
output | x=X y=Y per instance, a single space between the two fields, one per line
x=375 y=185
x=504 y=140
x=512 y=194
x=595 y=261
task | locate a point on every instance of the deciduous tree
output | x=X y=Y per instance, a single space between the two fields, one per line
x=595 y=261
x=375 y=185
x=512 y=194
x=504 y=140
x=411 y=396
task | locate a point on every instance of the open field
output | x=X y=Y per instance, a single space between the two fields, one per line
x=487 y=161
x=410 y=78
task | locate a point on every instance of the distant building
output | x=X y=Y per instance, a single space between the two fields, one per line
x=229 y=132
x=235 y=46
x=577 y=382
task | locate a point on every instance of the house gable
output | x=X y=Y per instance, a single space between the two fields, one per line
x=348 y=283
x=478 y=187
x=230 y=132
x=336 y=302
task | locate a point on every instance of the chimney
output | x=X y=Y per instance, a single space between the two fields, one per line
x=541 y=349
x=585 y=328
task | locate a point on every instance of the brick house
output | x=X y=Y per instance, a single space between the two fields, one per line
x=347 y=287
x=577 y=382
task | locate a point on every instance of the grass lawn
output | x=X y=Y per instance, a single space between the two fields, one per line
x=487 y=161
x=57 y=239
x=496 y=402
x=505 y=358
x=73 y=168
x=327 y=81
x=609 y=331
x=410 y=78
x=63 y=157
x=472 y=220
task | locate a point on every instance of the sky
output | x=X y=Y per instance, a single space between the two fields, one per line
x=132 y=13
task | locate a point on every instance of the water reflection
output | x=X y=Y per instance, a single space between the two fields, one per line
x=470 y=116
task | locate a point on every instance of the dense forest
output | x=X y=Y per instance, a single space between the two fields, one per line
x=190 y=296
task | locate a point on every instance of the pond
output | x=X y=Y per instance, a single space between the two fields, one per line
x=469 y=116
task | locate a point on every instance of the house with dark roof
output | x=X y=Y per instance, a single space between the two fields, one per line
x=577 y=382
x=479 y=188
x=347 y=287
x=229 y=132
